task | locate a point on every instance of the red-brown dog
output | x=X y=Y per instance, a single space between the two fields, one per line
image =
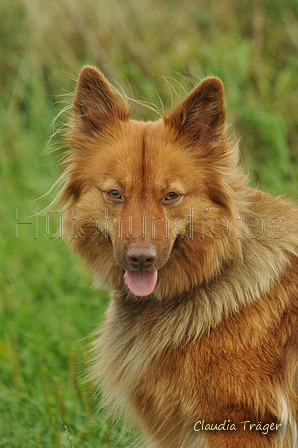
x=200 y=340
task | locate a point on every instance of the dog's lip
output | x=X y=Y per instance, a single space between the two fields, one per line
x=109 y=240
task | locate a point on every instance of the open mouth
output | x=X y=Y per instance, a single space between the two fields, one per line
x=140 y=283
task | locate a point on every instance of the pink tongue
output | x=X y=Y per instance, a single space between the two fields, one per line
x=140 y=283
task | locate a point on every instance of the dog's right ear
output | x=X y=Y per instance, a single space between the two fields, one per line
x=95 y=104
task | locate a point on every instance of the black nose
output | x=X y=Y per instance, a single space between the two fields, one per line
x=141 y=257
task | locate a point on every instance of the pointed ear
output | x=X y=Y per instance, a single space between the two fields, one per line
x=201 y=116
x=95 y=103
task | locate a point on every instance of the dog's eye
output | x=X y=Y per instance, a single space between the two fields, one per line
x=114 y=194
x=171 y=196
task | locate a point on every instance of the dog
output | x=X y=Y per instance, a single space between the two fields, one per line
x=199 y=346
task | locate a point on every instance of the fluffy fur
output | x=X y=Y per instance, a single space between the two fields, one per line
x=217 y=338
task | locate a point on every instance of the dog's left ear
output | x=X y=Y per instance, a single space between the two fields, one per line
x=201 y=116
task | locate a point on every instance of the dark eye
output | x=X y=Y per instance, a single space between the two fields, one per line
x=171 y=196
x=114 y=194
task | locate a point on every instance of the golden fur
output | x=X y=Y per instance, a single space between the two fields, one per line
x=217 y=338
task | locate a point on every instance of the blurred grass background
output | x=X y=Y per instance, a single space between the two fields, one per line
x=47 y=307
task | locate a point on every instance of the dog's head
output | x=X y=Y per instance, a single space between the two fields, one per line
x=140 y=196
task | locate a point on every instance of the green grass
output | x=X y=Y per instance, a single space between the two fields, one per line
x=47 y=305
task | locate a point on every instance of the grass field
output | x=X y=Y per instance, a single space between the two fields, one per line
x=155 y=50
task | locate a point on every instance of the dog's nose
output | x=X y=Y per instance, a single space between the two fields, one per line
x=141 y=257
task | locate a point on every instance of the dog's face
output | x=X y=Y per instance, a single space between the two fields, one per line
x=135 y=186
